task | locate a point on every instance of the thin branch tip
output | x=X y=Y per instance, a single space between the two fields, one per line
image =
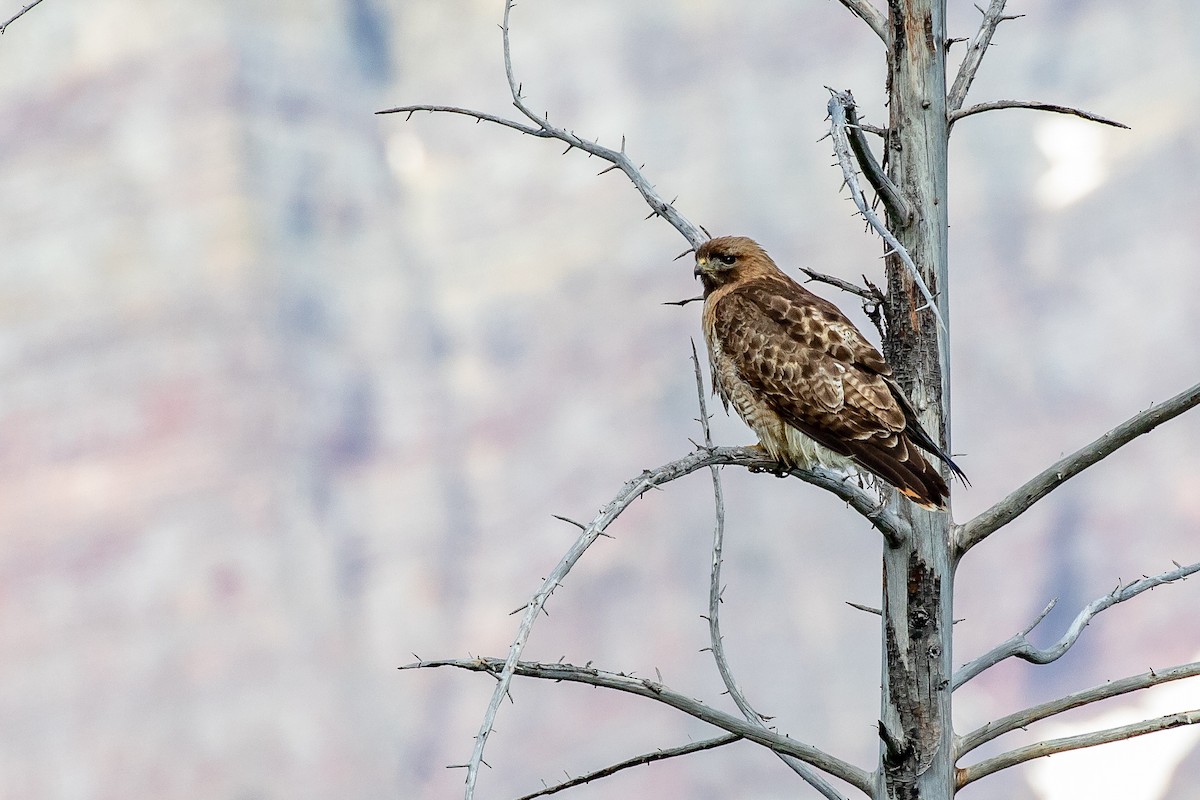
x=1067 y=743
x=1025 y=496
x=955 y=115
x=660 y=754
x=4 y=25
x=1020 y=720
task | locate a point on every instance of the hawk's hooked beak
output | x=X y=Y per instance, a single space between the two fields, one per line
x=701 y=267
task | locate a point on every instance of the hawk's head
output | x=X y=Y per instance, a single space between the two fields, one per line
x=727 y=259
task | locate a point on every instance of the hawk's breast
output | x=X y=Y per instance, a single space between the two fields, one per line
x=782 y=441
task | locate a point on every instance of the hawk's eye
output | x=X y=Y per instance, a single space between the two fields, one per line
x=726 y=259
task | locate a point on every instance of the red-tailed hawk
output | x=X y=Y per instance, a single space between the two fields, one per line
x=804 y=378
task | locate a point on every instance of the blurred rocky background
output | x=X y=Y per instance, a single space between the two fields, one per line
x=289 y=391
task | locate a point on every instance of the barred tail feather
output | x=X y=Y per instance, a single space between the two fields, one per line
x=900 y=464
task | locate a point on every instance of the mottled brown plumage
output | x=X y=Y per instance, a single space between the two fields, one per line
x=804 y=378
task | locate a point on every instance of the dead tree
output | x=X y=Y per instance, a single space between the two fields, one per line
x=920 y=753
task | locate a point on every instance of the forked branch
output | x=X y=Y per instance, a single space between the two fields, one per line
x=1105 y=691
x=1022 y=499
x=655 y=690
x=1049 y=748
x=974 y=56
x=1020 y=647
x=970 y=66
x=542 y=128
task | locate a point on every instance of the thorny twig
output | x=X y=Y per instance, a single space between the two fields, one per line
x=899 y=210
x=542 y=128
x=838 y=104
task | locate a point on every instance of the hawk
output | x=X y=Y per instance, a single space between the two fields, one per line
x=803 y=377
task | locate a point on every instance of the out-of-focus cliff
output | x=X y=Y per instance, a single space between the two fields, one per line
x=289 y=391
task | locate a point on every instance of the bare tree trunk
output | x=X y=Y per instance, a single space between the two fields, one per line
x=918 y=574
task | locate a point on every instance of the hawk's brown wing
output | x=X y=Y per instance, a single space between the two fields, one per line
x=814 y=369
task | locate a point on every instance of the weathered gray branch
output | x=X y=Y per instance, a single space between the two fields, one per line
x=716 y=641
x=870 y=15
x=1035 y=105
x=637 y=761
x=1019 y=501
x=1000 y=651
x=1049 y=748
x=899 y=210
x=974 y=55
x=1105 y=691
x=838 y=103
x=4 y=25
x=654 y=690
x=478 y=116
x=542 y=128
x=1020 y=647
x=753 y=458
